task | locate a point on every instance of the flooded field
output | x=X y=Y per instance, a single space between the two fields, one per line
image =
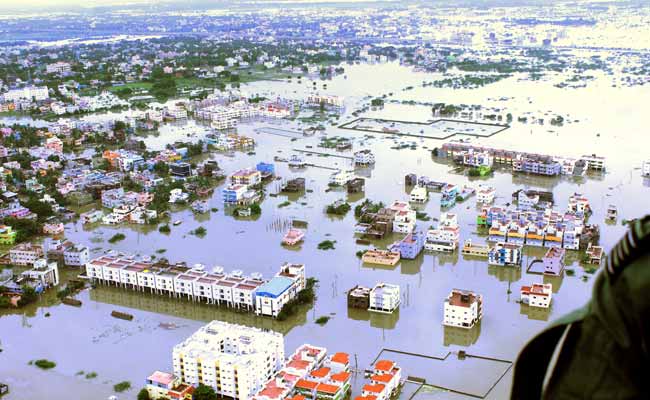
x=438 y=129
x=604 y=120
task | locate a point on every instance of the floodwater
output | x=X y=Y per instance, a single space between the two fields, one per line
x=88 y=339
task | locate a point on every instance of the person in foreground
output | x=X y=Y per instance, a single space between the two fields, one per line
x=600 y=351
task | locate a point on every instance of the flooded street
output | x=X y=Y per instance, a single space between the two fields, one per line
x=88 y=339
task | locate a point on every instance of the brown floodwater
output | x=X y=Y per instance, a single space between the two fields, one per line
x=88 y=339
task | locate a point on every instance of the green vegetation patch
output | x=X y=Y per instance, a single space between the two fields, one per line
x=116 y=238
x=44 y=364
x=122 y=386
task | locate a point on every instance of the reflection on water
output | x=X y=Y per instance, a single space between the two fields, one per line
x=460 y=336
x=505 y=274
x=193 y=310
x=377 y=320
x=537 y=313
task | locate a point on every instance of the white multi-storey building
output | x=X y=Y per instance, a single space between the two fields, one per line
x=463 y=309
x=364 y=157
x=37 y=93
x=594 y=162
x=485 y=195
x=505 y=254
x=419 y=194
x=236 y=361
x=341 y=177
x=404 y=219
x=25 y=254
x=446 y=236
x=249 y=293
x=271 y=297
x=537 y=295
x=384 y=298
x=58 y=68
x=46 y=273
x=76 y=256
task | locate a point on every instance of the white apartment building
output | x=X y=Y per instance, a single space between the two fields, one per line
x=177 y=113
x=46 y=273
x=274 y=294
x=364 y=157
x=384 y=298
x=341 y=177
x=336 y=101
x=58 y=68
x=446 y=236
x=76 y=256
x=463 y=309
x=25 y=254
x=404 y=219
x=37 y=93
x=419 y=194
x=537 y=295
x=505 y=254
x=485 y=195
x=236 y=361
x=594 y=162
x=249 y=293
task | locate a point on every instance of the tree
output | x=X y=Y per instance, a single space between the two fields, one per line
x=144 y=395
x=204 y=392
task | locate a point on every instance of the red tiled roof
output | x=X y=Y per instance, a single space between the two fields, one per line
x=320 y=372
x=305 y=384
x=298 y=364
x=341 y=376
x=378 y=388
x=385 y=378
x=342 y=358
x=384 y=365
x=325 y=388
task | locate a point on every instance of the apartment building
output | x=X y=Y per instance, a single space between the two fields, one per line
x=250 y=293
x=335 y=101
x=25 y=254
x=274 y=294
x=579 y=205
x=37 y=93
x=463 y=309
x=404 y=218
x=364 y=157
x=45 y=274
x=537 y=295
x=594 y=162
x=235 y=360
x=411 y=246
x=384 y=298
x=385 y=381
x=60 y=68
x=446 y=236
x=485 y=195
x=341 y=177
x=448 y=195
x=247 y=176
x=419 y=194
x=505 y=254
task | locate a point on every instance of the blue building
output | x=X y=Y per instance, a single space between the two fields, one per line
x=449 y=193
x=273 y=295
x=266 y=169
x=411 y=246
